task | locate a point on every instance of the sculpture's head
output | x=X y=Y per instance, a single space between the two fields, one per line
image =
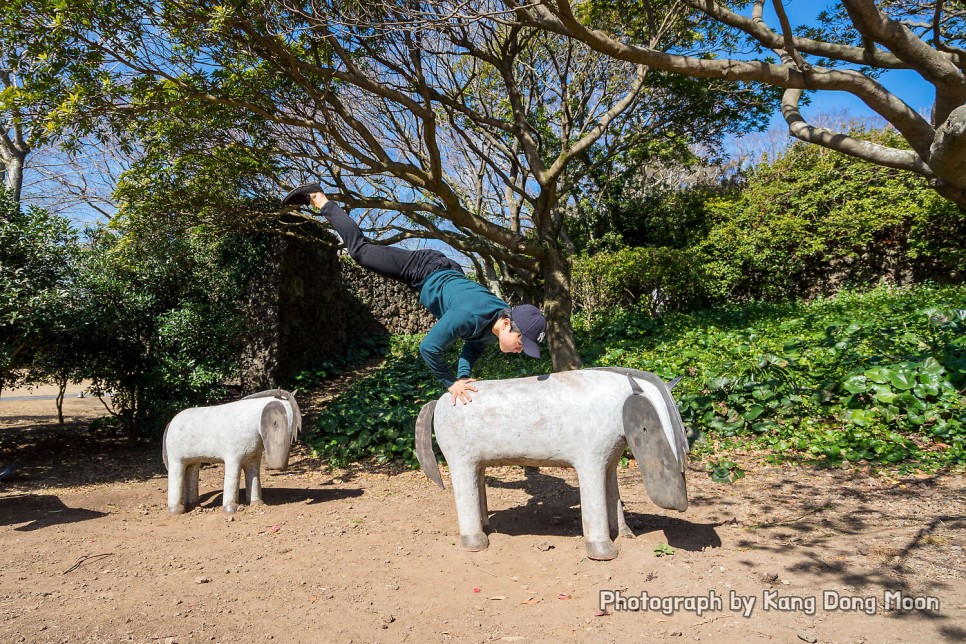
x=656 y=435
x=276 y=436
x=277 y=439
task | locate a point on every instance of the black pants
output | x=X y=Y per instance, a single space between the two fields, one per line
x=408 y=266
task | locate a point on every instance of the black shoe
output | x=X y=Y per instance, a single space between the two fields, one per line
x=300 y=196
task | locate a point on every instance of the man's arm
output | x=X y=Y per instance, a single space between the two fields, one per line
x=470 y=353
x=434 y=345
x=444 y=333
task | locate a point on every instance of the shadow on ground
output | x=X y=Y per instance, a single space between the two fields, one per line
x=37 y=511
x=553 y=508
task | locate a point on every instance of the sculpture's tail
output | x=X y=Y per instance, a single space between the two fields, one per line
x=164 y=445
x=424 y=444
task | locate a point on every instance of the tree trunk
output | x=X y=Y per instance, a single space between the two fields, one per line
x=61 y=389
x=947 y=158
x=13 y=175
x=956 y=195
x=558 y=307
x=134 y=429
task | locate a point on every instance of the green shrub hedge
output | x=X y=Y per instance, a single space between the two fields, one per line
x=815 y=221
x=653 y=279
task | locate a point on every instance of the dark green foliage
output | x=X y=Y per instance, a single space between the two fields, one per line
x=724 y=471
x=38 y=252
x=354 y=356
x=814 y=221
x=376 y=416
x=660 y=216
x=164 y=319
x=655 y=279
x=872 y=377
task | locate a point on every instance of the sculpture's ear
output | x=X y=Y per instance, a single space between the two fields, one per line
x=671 y=384
x=275 y=435
x=296 y=417
x=660 y=469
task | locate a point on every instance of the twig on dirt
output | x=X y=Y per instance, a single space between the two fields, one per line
x=410 y=631
x=484 y=570
x=708 y=621
x=795 y=520
x=85 y=558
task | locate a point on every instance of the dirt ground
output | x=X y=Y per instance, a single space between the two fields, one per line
x=368 y=554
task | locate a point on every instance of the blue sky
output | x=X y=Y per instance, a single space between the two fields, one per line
x=825 y=108
x=905 y=84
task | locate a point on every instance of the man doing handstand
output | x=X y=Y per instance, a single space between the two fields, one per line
x=465 y=310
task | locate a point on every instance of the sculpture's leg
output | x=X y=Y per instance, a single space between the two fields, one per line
x=466 y=489
x=484 y=512
x=253 y=484
x=192 y=474
x=593 y=512
x=615 y=507
x=230 y=496
x=176 y=476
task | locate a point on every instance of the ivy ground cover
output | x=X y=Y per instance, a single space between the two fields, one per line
x=874 y=377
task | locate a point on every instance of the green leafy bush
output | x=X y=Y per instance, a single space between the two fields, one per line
x=377 y=415
x=873 y=377
x=162 y=319
x=38 y=254
x=813 y=221
x=655 y=279
x=355 y=355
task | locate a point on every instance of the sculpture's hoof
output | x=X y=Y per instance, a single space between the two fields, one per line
x=176 y=509
x=626 y=533
x=256 y=502
x=474 y=542
x=231 y=509
x=601 y=550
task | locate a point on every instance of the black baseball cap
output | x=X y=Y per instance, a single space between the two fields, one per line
x=532 y=325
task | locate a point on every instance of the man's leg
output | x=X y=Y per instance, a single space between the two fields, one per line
x=385 y=260
x=407 y=266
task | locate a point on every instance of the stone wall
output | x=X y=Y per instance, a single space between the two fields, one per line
x=296 y=310
x=309 y=304
x=380 y=306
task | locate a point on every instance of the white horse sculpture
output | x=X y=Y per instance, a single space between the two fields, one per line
x=581 y=419
x=236 y=433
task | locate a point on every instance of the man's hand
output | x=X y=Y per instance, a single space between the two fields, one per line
x=461 y=389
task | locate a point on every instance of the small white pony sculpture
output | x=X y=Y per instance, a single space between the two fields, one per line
x=582 y=419
x=237 y=434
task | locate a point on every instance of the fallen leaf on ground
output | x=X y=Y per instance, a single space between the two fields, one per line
x=563 y=596
x=600 y=613
x=498 y=597
x=531 y=600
